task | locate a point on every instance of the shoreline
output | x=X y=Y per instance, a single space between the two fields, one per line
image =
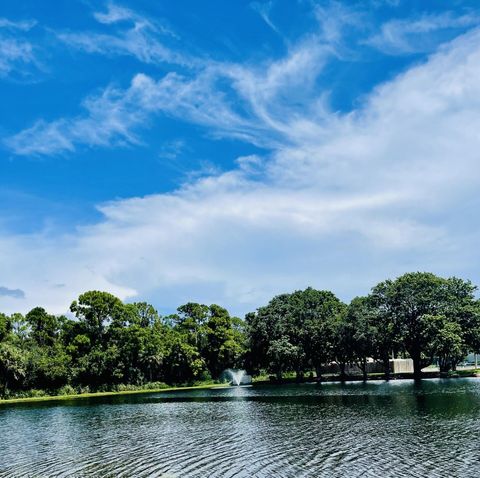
x=286 y=381
x=79 y=396
x=328 y=378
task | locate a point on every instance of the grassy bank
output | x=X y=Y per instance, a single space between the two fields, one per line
x=291 y=377
x=48 y=398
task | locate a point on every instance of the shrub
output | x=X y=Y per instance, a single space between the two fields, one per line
x=67 y=390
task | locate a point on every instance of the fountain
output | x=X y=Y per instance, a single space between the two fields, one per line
x=239 y=377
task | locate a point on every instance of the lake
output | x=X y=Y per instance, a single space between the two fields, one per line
x=376 y=429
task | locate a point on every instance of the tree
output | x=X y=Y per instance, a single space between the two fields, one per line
x=191 y=321
x=48 y=367
x=361 y=316
x=269 y=325
x=343 y=343
x=43 y=326
x=142 y=314
x=95 y=310
x=183 y=362
x=281 y=355
x=5 y=326
x=447 y=342
x=12 y=366
x=302 y=322
x=320 y=313
x=224 y=342
x=404 y=302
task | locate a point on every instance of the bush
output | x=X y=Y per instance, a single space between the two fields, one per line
x=125 y=387
x=155 y=385
x=205 y=376
x=35 y=393
x=122 y=387
x=67 y=390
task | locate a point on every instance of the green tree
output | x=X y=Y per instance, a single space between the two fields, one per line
x=12 y=366
x=281 y=354
x=268 y=325
x=96 y=310
x=224 y=341
x=361 y=318
x=447 y=342
x=5 y=326
x=183 y=362
x=404 y=302
x=303 y=322
x=43 y=326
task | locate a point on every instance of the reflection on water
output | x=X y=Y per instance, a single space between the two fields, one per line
x=329 y=430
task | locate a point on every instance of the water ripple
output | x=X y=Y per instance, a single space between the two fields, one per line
x=355 y=430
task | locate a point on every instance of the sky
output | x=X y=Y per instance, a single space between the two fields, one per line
x=226 y=152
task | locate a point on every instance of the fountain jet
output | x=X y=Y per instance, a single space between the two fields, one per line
x=237 y=376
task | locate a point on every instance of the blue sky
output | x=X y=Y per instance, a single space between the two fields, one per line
x=229 y=151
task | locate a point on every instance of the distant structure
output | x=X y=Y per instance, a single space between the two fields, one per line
x=401 y=365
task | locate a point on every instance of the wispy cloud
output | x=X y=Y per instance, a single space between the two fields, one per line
x=18 y=56
x=109 y=119
x=23 y=25
x=135 y=35
x=415 y=35
x=264 y=10
x=233 y=100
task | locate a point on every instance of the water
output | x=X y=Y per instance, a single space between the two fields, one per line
x=329 y=430
x=236 y=375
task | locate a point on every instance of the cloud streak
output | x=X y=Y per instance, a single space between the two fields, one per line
x=135 y=36
x=417 y=35
x=18 y=58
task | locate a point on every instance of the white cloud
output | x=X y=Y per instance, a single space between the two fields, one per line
x=342 y=200
x=416 y=35
x=264 y=10
x=23 y=25
x=108 y=120
x=17 y=54
x=135 y=36
x=261 y=95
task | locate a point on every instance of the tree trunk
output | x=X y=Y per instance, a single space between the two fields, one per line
x=443 y=365
x=386 y=367
x=299 y=376
x=417 y=366
x=342 y=371
x=318 y=372
x=363 y=366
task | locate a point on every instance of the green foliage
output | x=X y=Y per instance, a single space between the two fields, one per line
x=5 y=326
x=418 y=315
x=294 y=331
x=405 y=304
x=12 y=366
x=447 y=341
x=109 y=345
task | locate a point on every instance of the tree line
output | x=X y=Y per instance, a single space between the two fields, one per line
x=106 y=344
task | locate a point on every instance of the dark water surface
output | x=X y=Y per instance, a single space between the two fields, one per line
x=377 y=429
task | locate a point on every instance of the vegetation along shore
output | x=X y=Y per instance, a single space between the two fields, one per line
x=107 y=346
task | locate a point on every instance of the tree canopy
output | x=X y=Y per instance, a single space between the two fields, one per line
x=105 y=343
